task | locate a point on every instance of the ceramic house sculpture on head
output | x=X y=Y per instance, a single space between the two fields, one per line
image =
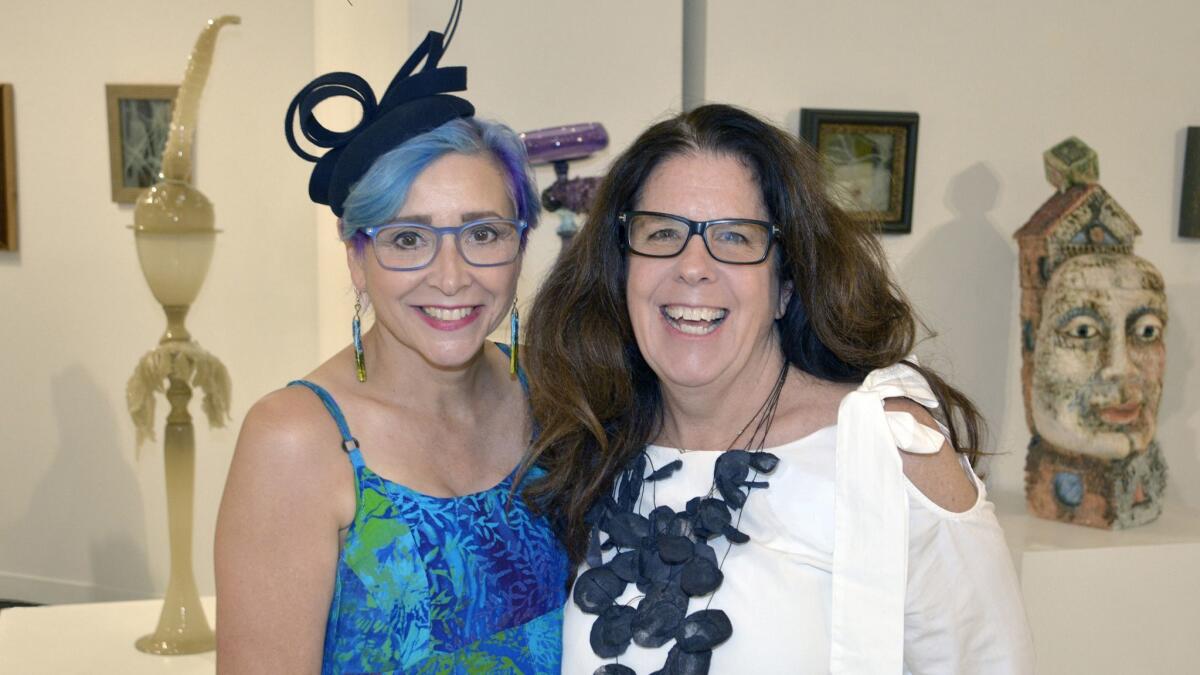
x=1092 y=353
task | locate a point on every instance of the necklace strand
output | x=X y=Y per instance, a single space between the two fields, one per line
x=769 y=403
x=598 y=589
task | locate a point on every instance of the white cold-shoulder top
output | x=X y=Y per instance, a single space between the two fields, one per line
x=849 y=567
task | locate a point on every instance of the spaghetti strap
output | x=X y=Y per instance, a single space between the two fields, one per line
x=349 y=443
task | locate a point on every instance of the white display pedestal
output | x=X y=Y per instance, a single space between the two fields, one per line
x=1098 y=602
x=91 y=638
x=1104 y=602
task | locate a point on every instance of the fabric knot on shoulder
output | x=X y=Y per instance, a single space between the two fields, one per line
x=903 y=381
x=912 y=436
x=900 y=380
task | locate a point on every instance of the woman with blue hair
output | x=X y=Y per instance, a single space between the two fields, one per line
x=370 y=521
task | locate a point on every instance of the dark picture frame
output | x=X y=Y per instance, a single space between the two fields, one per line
x=139 y=120
x=1189 y=200
x=871 y=160
x=8 y=170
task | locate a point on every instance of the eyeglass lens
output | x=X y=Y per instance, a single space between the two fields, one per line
x=483 y=243
x=733 y=241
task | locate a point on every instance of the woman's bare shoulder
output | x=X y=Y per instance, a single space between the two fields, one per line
x=824 y=395
x=940 y=475
x=290 y=424
x=808 y=405
x=834 y=392
x=289 y=455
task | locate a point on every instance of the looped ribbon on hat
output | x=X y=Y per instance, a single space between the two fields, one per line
x=319 y=90
x=403 y=88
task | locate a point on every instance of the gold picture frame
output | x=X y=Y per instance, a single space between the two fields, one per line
x=871 y=160
x=139 y=119
x=8 y=170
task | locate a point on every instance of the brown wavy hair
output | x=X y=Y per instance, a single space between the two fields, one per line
x=596 y=401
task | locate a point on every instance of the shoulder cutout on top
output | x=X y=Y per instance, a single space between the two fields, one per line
x=940 y=474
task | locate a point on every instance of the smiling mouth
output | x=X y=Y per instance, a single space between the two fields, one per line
x=447 y=313
x=693 y=320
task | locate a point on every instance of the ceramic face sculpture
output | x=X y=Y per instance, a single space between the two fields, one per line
x=1099 y=356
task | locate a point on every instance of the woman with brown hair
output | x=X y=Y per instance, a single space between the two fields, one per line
x=747 y=466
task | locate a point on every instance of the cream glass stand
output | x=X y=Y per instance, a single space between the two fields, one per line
x=175 y=235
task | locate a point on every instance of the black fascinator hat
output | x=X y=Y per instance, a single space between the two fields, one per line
x=415 y=102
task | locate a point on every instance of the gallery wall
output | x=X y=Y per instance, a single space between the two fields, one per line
x=370 y=40
x=81 y=513
x=995 y=85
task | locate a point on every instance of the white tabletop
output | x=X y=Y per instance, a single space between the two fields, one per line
x=86 y=639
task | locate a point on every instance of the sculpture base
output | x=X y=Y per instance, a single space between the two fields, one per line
x=182 y=627
x=1111 y=494
x=178 y=644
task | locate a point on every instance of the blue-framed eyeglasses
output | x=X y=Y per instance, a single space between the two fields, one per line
x=737 y=241
x=488 y=242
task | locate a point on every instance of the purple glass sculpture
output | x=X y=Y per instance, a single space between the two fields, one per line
x=558 y=146
x=564 y=143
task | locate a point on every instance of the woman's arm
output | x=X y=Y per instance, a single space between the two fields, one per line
x=963 y=607
x=277 y=537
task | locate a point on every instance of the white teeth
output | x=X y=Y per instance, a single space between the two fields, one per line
x=680 y=312
x=443 y=314
x=695 y=330
x=710 y=316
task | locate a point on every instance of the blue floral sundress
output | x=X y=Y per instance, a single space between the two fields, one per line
x=469 y=584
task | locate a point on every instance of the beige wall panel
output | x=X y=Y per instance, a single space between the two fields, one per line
x=995 y=85
x=80 y=516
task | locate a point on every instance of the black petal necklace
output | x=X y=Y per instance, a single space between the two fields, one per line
x=668 y=555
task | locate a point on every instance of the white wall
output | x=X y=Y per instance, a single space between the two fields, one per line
x=80 y=516
x=370 y=39
x=995 y=85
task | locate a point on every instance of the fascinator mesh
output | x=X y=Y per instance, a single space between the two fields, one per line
x=414 y=102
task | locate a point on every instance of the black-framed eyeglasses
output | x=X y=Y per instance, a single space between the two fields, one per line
x=737 y=241
x=488 y=242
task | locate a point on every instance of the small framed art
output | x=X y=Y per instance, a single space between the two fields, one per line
x=139 y=120
x=1189 y=202
x=871 y=160
x=8 y=171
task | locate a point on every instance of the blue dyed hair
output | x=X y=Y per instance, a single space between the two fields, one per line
x=383 y=189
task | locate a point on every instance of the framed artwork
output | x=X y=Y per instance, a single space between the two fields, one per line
x=1189 y=201
x=139 y=119
x=8 y=171
x=870 y=158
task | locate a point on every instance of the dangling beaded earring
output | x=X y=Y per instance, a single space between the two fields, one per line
x=360 y=362
x=514 y=329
